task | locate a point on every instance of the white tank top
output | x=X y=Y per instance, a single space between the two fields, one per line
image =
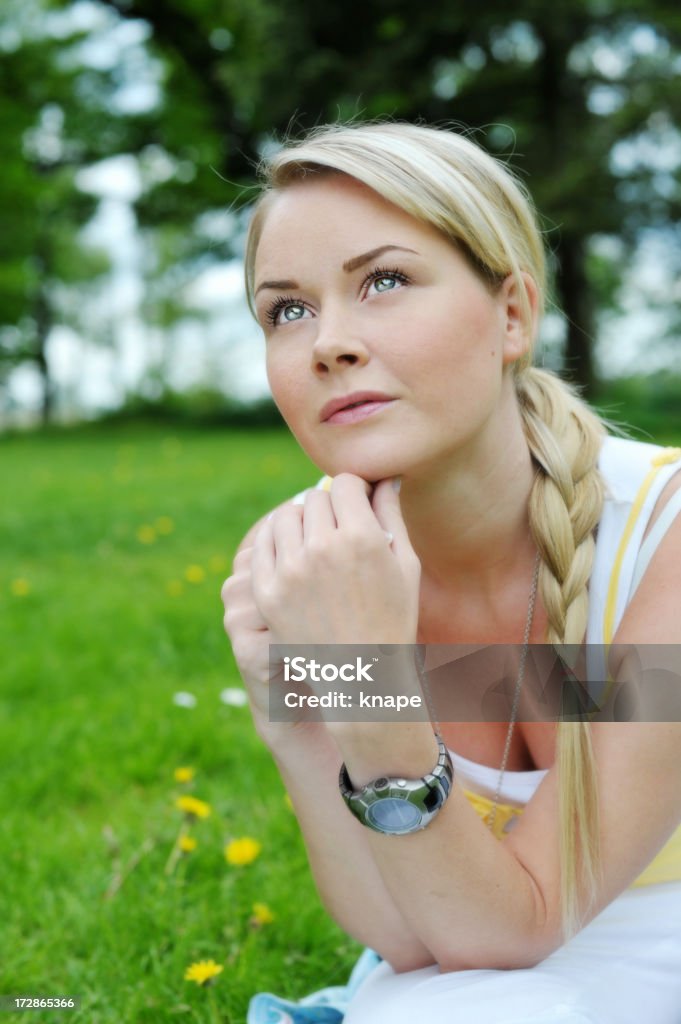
x=635 y=474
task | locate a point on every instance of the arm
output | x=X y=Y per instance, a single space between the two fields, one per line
x=470 y=900
x=347 y=878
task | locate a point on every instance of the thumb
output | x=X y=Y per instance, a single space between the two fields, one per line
x=385 y=503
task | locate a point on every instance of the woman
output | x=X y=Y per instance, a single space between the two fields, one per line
x=398 y=275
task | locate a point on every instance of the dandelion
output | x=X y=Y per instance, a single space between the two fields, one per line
x=193 y=807
x=261 y=915
x=164 y=525
x=240 y=852
x=184 y=699
x=195 y=574
x=203 y=972
x=234 y=696
x=146 y=534
x=186 y=844
x=20 y=587
x=184 y=774
x=174 y=588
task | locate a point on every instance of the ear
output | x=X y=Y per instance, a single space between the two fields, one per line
x=517 y=333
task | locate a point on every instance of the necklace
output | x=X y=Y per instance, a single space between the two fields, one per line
x=490 y=818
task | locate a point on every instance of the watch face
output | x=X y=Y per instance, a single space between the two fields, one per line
x=393 y=815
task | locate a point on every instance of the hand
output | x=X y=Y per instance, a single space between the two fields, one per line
x=331 y=576
x=248 y=633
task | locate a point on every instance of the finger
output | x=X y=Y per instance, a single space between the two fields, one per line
x=350 y=500
x=386 y=507
x=319 y=520
x=287 y=530
x=263 y=559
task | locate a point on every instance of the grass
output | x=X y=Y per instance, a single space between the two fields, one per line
x=99 y=627
x=114 y=545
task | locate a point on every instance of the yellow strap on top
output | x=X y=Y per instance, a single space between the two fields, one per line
x=664 y=458
x=483 y=805
x=665 y=866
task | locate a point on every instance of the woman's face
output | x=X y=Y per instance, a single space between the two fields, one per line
x=361 y=303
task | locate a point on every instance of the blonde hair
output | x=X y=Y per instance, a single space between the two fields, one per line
x=445 y=180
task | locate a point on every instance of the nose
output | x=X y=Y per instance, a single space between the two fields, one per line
x=336 y=347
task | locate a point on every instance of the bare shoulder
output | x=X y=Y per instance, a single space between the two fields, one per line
x=671 y=487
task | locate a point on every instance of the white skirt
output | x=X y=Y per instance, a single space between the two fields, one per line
x=624 y=967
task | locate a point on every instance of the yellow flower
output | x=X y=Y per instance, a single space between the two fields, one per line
x=187 y=844
x=202 y=972
x=192 y=805
x=174 y=588
x=146 y=534
x=20 y=587
x=164 y=524
x=261 y=915
x=240 y=852
x=218 y=563
x=195 y=573
x=184 y=774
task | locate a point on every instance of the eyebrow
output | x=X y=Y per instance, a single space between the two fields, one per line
x=348 y=266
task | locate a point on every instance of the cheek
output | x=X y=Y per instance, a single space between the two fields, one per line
x=286 y=386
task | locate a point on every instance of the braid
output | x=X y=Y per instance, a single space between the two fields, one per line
x=565 y=506
x=567 y=497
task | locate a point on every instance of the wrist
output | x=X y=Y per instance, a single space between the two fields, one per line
x=370 y=750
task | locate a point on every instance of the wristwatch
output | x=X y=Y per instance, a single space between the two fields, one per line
x=397 y=806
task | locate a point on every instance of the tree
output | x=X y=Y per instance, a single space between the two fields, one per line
x=569 y=82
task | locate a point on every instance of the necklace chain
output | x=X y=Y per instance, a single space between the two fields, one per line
x=491 y=816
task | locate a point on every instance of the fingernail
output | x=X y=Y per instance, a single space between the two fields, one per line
x=388 y=536
x=397 y=483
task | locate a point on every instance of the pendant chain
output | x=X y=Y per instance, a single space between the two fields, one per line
x=491 y=817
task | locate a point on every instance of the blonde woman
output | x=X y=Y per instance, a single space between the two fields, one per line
x=398 y=275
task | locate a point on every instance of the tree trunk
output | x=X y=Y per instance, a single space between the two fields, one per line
x=42 y=317
x=576 y=303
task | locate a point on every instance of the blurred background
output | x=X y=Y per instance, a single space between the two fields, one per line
x=131 y=387
x=131 y=130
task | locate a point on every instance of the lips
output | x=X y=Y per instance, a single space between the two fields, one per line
x=354 y=400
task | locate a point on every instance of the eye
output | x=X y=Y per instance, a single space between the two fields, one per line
x=285 y=310
x=382 y=280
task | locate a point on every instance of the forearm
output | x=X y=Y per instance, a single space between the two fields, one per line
x=461 y=891
x=342 y=863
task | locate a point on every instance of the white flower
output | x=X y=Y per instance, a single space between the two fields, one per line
x=184 y=699
x=234 y=696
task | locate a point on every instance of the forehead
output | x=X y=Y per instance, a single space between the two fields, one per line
x=334 y=213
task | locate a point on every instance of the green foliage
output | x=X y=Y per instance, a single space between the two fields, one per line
x=104 y=630
x=650 y=405
x=582 y=96
x=199 y=405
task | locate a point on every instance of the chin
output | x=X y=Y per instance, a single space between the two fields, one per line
x=371 y=470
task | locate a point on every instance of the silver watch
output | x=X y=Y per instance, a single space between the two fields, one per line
x=397 y=806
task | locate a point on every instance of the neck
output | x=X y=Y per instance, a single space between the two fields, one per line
x=468 y=519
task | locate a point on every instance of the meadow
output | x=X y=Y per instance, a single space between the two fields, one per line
x=119 y=697
x=115 y=542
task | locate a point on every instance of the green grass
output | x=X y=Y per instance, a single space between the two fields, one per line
x=105 y=628
x=109 y=630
